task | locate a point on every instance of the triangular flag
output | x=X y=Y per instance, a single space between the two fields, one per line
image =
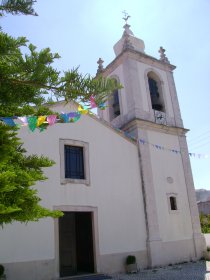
x=40 y=120
x=51 y=119
x=102 y=106
x=72 y=115
x=82 y=111
x=43 y=126
x=92 y=102
x=32 y=121
x=77 y=117
x=65 y=117
x=23 y=120
x=8 y=121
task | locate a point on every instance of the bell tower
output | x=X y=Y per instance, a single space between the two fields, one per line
x=148 y=92
x=147 y=107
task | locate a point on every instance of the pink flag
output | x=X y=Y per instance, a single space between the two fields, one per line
x=23 y=120
x=51 y=119
x=92 y=102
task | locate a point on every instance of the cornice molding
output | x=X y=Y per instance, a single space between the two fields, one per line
x=138 y=56
x=143 y=124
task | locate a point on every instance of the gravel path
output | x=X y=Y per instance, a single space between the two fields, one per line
x=186 y=271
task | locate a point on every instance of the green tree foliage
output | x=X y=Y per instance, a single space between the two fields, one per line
x=17 y=7
x=205 y=223
x=18 y=172
x=27 y=77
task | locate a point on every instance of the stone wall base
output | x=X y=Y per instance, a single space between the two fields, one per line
x=33 y=270
x=112 y=263
x=175 y=252
x=46 y=269
x=168 y=253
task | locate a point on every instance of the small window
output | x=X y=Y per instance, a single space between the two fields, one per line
x=74 y=165
x=74 y=162
x=173 y=203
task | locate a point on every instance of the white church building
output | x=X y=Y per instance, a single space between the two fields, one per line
x=120 y=196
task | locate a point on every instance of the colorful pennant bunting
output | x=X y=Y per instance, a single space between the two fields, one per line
x=42 y=122
x=175 y=151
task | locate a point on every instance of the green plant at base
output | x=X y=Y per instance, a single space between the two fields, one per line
x=130 y=259
x=205 y=223
x=1 y=270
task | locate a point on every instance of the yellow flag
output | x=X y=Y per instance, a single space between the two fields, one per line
x=40 y=120
x=82 y=111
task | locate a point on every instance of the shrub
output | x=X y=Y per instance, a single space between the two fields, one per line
x=130 y=260
x=1 y=270
x=205 y=223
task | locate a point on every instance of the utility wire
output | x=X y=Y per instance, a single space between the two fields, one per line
x=198 y=146
x=201 y=136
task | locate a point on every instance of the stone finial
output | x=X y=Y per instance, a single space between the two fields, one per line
x=163 y=57
x=127 y=30
x=100 y=66
x=127 y=43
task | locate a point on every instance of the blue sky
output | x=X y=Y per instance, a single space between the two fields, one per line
x=82 y=31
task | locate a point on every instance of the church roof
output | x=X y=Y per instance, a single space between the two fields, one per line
x=64 y=107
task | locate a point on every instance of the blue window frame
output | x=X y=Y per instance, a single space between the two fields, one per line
x=74 y=162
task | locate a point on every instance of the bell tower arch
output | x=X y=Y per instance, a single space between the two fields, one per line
x=155 y=91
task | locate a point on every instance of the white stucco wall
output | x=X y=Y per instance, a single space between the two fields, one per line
x=174 y=225
x=27 y=242
x=115 y=189
x=207 y=239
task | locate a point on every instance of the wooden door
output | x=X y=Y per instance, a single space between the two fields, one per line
x=67 y=244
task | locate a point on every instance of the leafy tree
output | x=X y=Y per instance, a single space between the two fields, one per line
x=17 y=7
x=18 y=172
x=27 y=77
x=205 y=223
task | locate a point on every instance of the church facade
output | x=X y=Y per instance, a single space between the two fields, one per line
x=120 y=196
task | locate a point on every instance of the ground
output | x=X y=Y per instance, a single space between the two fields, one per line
x=185 y=271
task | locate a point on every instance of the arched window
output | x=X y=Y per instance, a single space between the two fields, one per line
x=114 y=104
x=155 y=92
